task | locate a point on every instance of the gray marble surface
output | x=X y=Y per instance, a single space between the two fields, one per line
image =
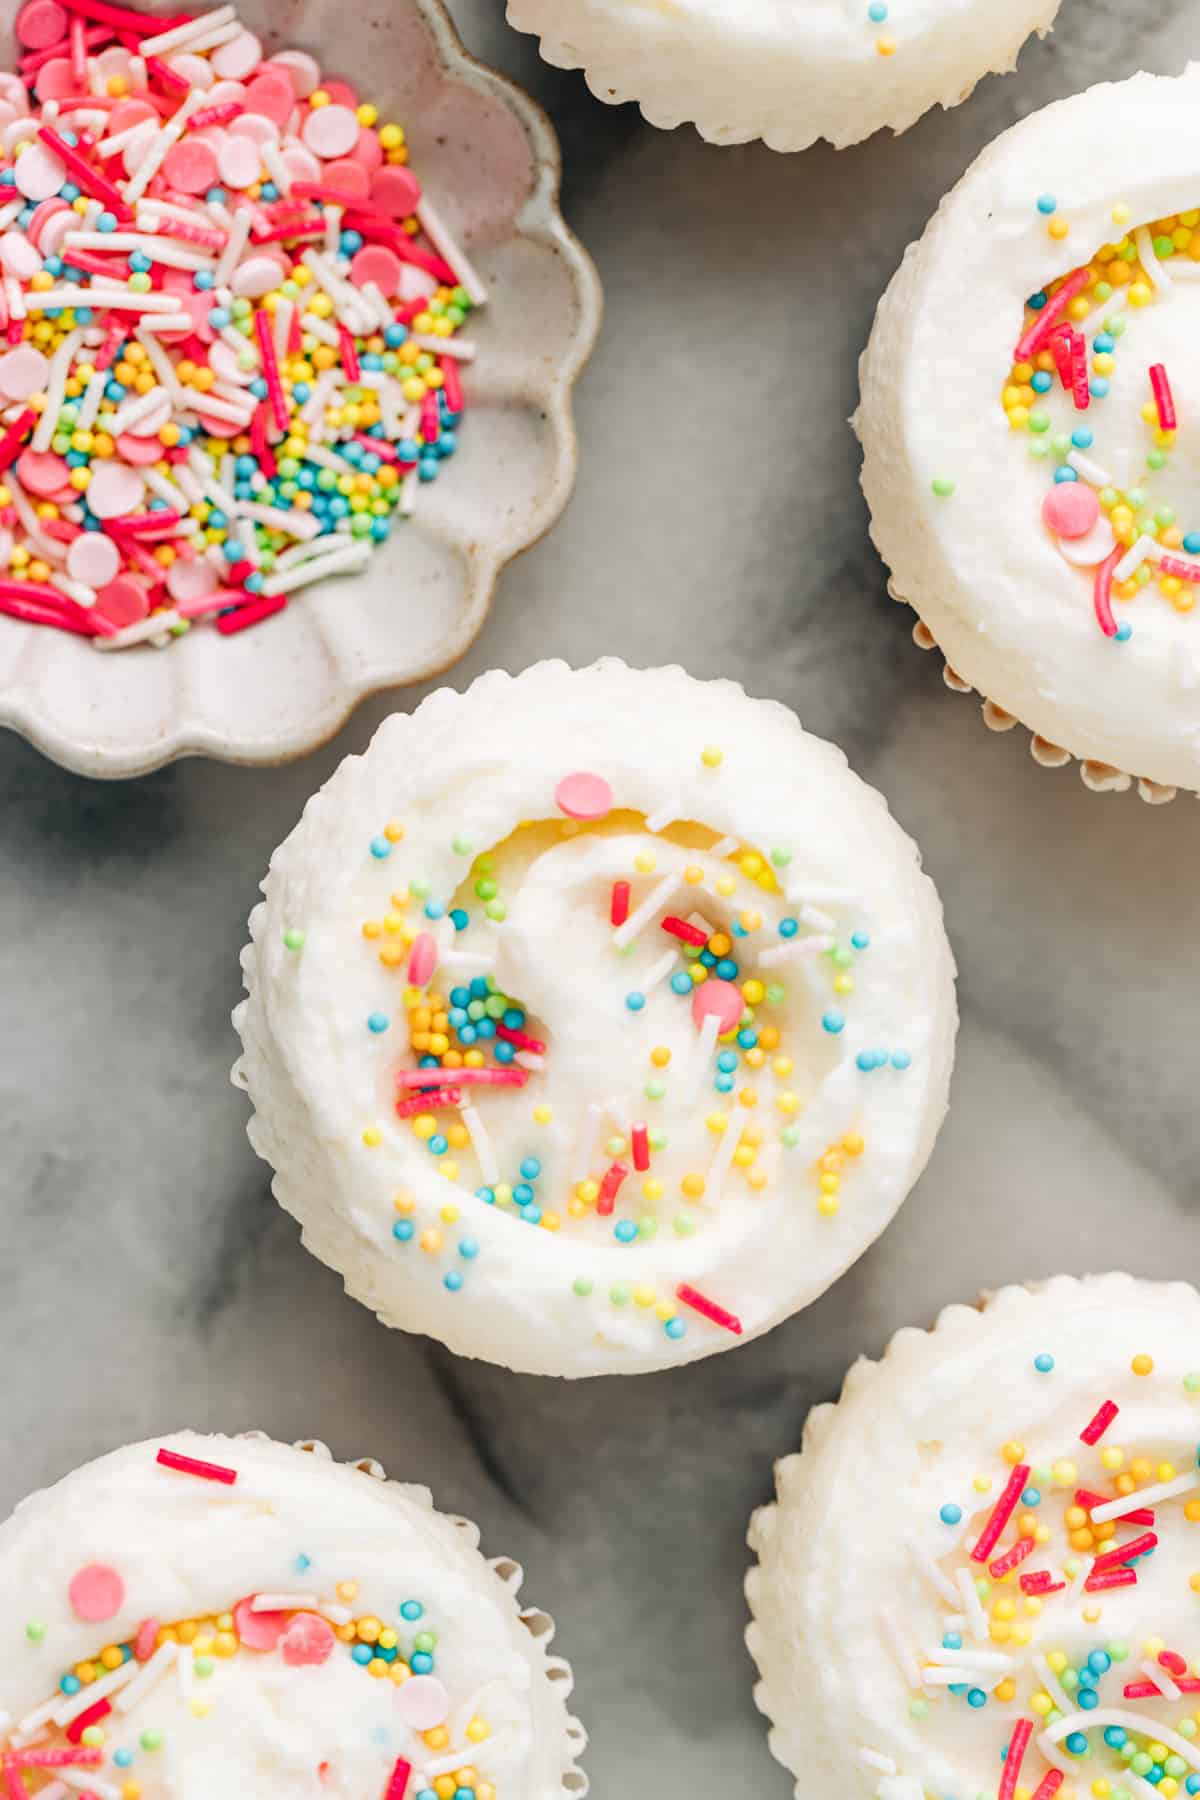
x=148 y=1280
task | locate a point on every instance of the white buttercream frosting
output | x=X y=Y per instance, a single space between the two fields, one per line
x=1010 y=603
x=133 y=1657
x=533 y=1224
x=788 y=71
x=875 y=1576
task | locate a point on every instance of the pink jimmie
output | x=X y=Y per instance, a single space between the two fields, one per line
x=1102 y=591
x=609 y=1187
x=1040 y=331
x=708 y=1309
x=1001 y=1513
x=521 y=1039
x=428 y=1101
x=507 y=1077
x=1163 y=399
x=1017 y=1746
x=1095 y=1429
x=264 y=331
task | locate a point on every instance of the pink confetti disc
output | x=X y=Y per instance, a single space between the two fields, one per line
x=720 y=1000
x=93 y=558
x=256 y=276
x=303 y=70
x=56 y=79
x=238 y=58
x=422 y=1702
x=258 y=1630
x=140 y=444
x=348 y=176
x=53 y=233
x=114 y=490
x=42 y=472
x=191 y=580
x=368 y=150
x=584 y=796
x=1070 y=509
x=96 y=1593
x=272 y=95
x=238 y=161
x=23 y=372
x=42 y=215
x=41 y=23
x=394 y=191
x=39 y=173
x=307 y=1639
x=375 y=262
x=330 y=131
x=123 y=601
x=129 y=113
x=301 y=164
x=218 y=428
x=19 y=256
x=260 y=131
x=191 y=166
x=341 y=93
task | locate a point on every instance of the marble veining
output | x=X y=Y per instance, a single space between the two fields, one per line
x=149 y=1281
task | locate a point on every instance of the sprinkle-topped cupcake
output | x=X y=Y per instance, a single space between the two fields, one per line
x=788 y=73
x=979 y=1581
x=1029 y=427
x=597 y=1020
x=216 y=1616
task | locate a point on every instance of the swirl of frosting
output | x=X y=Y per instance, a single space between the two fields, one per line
x=1017 y=1496
x=597 y=1020
x=1031 y=447
x=214 y=1615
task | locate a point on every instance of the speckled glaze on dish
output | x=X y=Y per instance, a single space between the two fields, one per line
x=489 y=156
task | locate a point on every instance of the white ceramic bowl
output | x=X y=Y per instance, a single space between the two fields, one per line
x=489 y=158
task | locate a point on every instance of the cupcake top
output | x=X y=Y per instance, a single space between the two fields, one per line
x=207 y=1615
x=788 y=71
x=1018 y=1497
x=597 y=1020
x=1028 y=428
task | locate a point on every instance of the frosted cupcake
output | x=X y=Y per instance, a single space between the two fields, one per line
x=230 y=1616
x=597 y=1020
x=979 y=1578
x=1029 y=432
x=788 y=71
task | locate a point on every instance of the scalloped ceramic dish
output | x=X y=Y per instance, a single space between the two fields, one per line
x=489 y=158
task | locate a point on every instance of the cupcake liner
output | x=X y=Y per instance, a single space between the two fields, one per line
x=738 y=77
x=955 y=1324
x=1099 y=777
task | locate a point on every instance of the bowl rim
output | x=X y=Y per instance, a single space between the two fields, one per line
x=539 y=218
